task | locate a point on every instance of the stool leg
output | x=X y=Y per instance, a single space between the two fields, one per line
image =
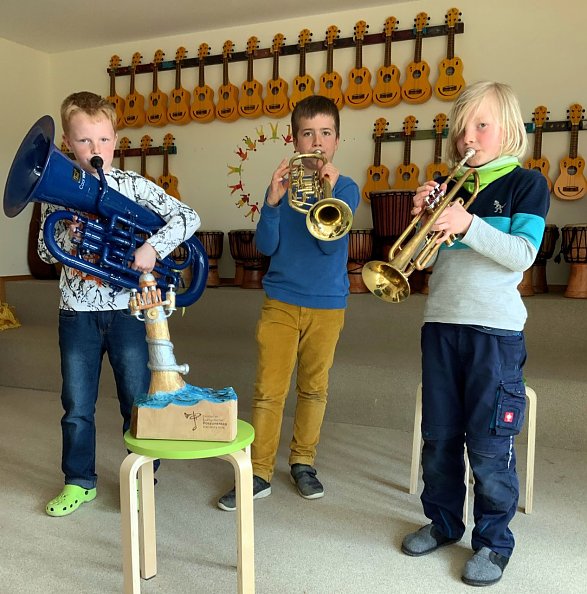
x=147 y=535
x=416 y=442
x=243 y=479
x=129 y=519
x=531 y=395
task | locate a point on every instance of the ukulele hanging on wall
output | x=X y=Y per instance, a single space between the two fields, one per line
x=331 y=81
x=437 y=168
x=571 y=183
x=123 y=146
x=116 y=100
x=250 y=104
x=276 y=103
x=178 y=111
x=406 y=175
x=450 y=81
x=359 y=94
x=157 y=108
x=416 y=87
x=146 y=142
x=377 y=174
x=303 y=85
x=134 y=105
x=227 y=106
x=387 y=91
x=167 y=181
x=538 y=161
x=203 y=109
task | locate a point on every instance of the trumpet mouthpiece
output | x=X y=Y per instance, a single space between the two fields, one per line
x=470 y=152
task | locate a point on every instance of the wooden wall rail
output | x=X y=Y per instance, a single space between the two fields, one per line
x=288 y=50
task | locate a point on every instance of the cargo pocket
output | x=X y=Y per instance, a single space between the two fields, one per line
x=510 y=408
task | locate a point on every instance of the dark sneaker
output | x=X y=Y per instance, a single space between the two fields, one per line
x=484 y=568
x=303 y=476
x=425 y=540
x=261 y=488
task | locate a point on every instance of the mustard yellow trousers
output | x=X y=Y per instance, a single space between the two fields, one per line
x=286 y=334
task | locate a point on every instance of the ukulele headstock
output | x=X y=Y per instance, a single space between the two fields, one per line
x=390 y=26
x=332 y=34
x=453 y=16
x=304 y=38
x=421 y=21
x=227 y=49
x=540 y=116
x=440 y=122
x=277 y=43
x=380 y=127
x=252 y=45
x=360 y=30
x=575 y=112
x=410 y=125
x=203 y=51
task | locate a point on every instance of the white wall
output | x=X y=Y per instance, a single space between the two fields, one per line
x=535 y=47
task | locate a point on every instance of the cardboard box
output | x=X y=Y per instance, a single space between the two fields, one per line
x=209 y=418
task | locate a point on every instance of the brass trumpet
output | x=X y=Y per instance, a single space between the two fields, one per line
x=327 y=218
x=389 y=280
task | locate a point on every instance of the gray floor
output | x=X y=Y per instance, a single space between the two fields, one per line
x=347 y=542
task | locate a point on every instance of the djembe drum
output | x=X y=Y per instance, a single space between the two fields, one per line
x=574 y=250
x=254 y=264
x=391 y=213
x=360 y=252
x=545 y=252
x=213 y=242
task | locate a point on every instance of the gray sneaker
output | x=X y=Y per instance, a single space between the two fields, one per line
x=261 y=488
x=484 y=568
x=425 y=540
x=303 y=476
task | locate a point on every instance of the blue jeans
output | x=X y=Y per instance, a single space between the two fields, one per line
x=84 y=337
x=472 y=392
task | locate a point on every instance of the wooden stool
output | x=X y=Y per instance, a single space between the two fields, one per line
x=138 y=525
x=417 y=446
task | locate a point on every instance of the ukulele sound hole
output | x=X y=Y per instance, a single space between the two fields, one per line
x=302 y=87
x=416 y=74
x=155 y=102
x=406 y=176
x=202 y=96
x=225 y=95
x=386 y=78
x=329 y=84
x=249 y=92
x=572 y=170
x=376 y=177
x=358 y=79
x=450 y=71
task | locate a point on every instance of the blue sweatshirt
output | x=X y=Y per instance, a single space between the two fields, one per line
x=305 y=271
x=475 y=281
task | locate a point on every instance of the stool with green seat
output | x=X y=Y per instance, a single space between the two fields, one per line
x=138 y=517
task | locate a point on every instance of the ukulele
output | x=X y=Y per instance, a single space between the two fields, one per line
x=250 y=104
x=276 y=103
x=416 y=88
x=437 y=168
x=167 y=181
x=227 y=106
x=406 y=176
x=178 y=111
x=123 y=146
x=303 y=85
x=387 y=91
x=134 y=106
x=116 y=100
x=450 y=81
x=571 y=183
x=203 y=109
x=157 y=109
x=377 y=174
x=331 y=81
x=537 y=161
x=359 y=94
x=146 y=142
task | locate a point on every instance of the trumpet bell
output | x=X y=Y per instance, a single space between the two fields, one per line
x=385 y=281
x=329 y=219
